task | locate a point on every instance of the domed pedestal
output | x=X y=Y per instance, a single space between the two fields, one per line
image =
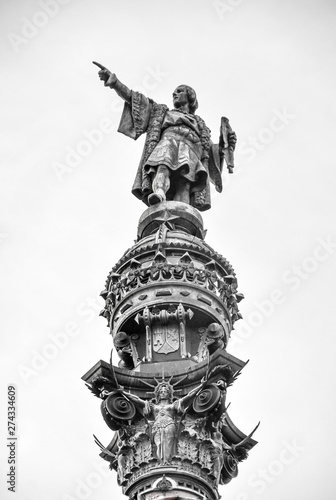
x=175 y=214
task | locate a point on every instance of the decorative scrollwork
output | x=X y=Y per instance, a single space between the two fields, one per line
x=229 y=469
x=113 y=424
x=206 y=400
x=119 y=407
x=164 y=484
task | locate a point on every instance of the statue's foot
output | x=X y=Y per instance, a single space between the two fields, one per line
x=155 y=198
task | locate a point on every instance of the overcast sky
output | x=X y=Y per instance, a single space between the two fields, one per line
x=67 y=216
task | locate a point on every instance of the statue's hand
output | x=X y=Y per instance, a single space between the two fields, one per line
x=106 y=76
x=232 y=139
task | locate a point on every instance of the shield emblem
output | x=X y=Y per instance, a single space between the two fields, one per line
x=166 y=338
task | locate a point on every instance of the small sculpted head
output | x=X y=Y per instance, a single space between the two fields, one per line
x=164 y=392
x=221 y=384
x=103 y=394
x=183 y=96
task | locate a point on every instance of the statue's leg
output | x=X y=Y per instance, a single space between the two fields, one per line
x=122 y=462
x=161 y=184
x=158 y=444
x=182 y=192
x=168 y=443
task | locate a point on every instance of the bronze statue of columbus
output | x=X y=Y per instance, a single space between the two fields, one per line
x=179 y=159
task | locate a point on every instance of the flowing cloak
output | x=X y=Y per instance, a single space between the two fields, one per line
x=143 y=115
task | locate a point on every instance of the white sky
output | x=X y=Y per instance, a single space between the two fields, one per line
x=250 y=60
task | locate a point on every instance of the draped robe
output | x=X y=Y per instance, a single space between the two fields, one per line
x=203 y=162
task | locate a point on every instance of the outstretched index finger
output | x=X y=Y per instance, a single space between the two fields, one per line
x=99 y=65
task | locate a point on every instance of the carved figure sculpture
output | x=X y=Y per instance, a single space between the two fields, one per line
x=179 y=158
x=217 y=450
x=125 y=462
x=163 y=411
x=123 y=347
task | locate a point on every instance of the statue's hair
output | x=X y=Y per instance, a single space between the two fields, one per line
x=193 y=103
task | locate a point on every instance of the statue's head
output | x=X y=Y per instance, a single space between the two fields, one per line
x=221 y=384
x=183 y=94
x=163 y=391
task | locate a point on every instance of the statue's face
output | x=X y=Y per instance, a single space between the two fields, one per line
x=164 y=393
x=180 y=96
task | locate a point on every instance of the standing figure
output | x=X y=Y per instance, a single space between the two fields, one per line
x=163 y=411
x=179 y=158
x=164 y=427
